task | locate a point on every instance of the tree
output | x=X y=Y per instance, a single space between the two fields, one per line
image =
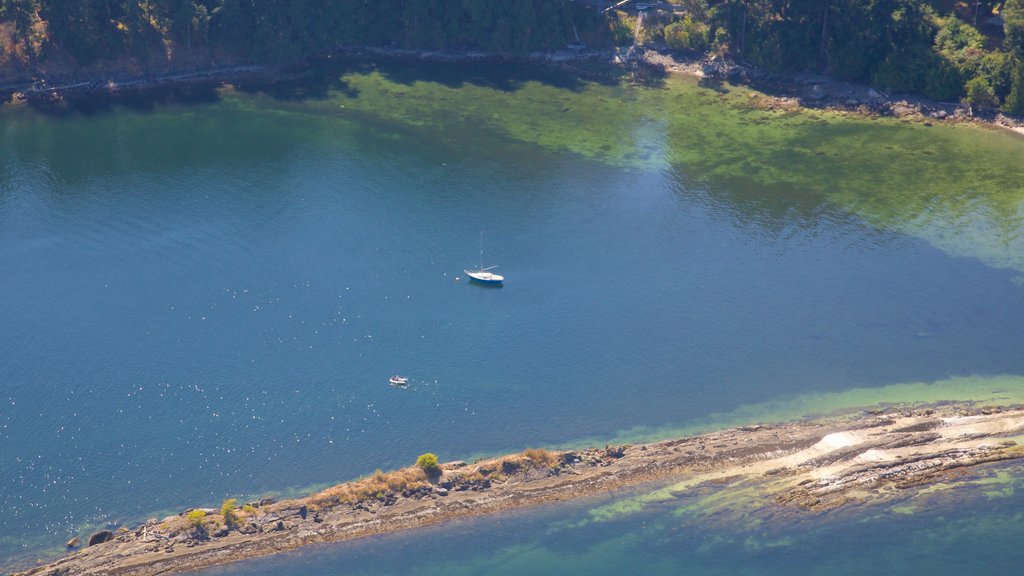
x=1014 y=103
x=687 y=34
x=1013 y=27
x=979 y=93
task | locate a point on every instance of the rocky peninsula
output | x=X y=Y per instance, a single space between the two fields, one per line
x=857 y=458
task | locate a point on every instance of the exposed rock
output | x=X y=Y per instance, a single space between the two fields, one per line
x=870 y=458
x=100 y=537
x=73 y=543
x=614 y=451
x=221 y=532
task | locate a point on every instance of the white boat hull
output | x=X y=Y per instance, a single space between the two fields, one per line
x=484 y=277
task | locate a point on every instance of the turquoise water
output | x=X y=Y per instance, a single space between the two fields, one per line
x=202 y=301
x=557 y=540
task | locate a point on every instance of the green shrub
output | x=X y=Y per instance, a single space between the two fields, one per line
x=195 y=518
x=980 y=93
x=428 y=462
x=621 y=32
x=955 y=35
x=687 y=34
x=722 y=41
x=227 y=510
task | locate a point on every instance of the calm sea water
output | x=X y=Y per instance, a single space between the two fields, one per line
x=564 y=539
x=206 y=301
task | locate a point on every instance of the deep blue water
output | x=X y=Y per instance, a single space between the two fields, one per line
x=202 y=302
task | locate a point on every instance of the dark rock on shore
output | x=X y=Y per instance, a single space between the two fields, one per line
x=100 y=537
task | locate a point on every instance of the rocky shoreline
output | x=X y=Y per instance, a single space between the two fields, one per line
x=780 y=90
x=819 y=91
x=806 y=466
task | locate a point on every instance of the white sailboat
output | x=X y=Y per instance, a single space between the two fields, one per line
x=481 y=274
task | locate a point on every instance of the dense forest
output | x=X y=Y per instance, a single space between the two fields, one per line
x=944 y=49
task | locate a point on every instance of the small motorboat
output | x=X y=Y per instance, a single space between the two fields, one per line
x=398 y=380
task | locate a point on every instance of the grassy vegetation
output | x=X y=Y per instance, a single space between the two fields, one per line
x=541 y=457
x=380 y=484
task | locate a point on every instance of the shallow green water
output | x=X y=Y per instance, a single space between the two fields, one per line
x=674 y=536
x=959 y=188
x=205 y=300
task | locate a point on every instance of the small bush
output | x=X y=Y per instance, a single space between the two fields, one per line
x=195 y=518
x=722 y=41
x=428 y=463
x=227 y=510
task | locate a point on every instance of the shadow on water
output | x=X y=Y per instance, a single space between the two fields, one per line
x=325 y=77
x=713 y=83
x=142 y=101
x=768 y=210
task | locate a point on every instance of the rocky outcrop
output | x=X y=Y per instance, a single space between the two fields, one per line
x=827 y=464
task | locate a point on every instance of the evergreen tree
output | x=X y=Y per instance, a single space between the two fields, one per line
x=1013 y=26
x=1014 y=103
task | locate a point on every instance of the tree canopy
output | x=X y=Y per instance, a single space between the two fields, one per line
x=902 y=45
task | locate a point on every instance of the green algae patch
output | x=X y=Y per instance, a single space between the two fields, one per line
x=604 y=557
x=695 y=499
x=958 y=187
x=1003 y=390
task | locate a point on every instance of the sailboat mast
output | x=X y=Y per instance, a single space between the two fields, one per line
x=481 y=250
